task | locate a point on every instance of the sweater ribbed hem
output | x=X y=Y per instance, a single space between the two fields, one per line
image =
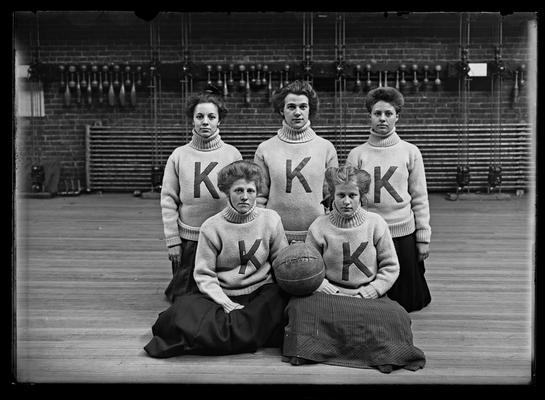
x=402 y=228
x=188 y=232
x=248 y=289
x=291 y=135
x=390 y=139
x=232 y=215
x=213 y=142
x=298 y=236
x=338 y=220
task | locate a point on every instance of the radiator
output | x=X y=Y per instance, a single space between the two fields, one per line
x=120 y=159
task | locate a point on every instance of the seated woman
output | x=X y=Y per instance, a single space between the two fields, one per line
x=348 y=321
x=239 y=308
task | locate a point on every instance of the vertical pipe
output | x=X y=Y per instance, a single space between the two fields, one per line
x=160 y=94
x=344 y=36
x=32 y=121
x=500 y=90
x=88 y=157
x=304 y=34
x=311 y=35
x=467 y=91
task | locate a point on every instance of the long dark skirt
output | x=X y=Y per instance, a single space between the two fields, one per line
x=410 y=289
x=182 y=281
x=351 y=332
x=195 y=324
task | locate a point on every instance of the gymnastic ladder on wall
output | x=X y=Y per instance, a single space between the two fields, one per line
x=118 y=158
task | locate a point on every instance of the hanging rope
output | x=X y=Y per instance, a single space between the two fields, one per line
x=186 y=73
x=464 y=90
x=460 y=85
x=343 y=103
x=337 y=77
x=37 y=173
x=494 y=170
x=160 y=104
x=467 y=92
x=500 y=90
x=156 y=169
x=34 y=135
x=308 y=44
x=154 y=90
x=31 y=77
x=493 y=118
x=340 y=82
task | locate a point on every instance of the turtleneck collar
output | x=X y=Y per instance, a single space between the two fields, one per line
x=387 y=140
x=232 y=215
x=292 y=135
x=206 y=144
x=340 y=221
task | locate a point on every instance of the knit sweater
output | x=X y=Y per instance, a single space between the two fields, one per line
x=398 y=190
x=357 y=251
x=190 y=194
x=235 y=252
x=294 y=163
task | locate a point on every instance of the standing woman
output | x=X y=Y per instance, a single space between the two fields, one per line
x=398 y=193
x=189 y=194
x=294 y=161
x=239 y=307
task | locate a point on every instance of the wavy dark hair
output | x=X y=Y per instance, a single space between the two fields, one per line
x=388 y=94
x=296 y=87
x=211 y=94
x=347 y=174
x=240 y=169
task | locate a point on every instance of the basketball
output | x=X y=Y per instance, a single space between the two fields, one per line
x=299 y=270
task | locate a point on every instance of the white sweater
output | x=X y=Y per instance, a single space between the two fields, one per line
x=398 y=190
x=235 y=252
x=294 y=164
x=357 y=251
x=190 y=193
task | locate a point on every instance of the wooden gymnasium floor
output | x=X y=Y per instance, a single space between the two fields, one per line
x=91 y=271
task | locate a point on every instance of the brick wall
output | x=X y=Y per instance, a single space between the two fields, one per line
x=250 y=38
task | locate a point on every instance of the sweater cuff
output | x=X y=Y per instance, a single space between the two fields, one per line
x=326 y=287
x=423 y=236
x=378 y=287
x=368 y=292
x=229 y=305
x=173 y=241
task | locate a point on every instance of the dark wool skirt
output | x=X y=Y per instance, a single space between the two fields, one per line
x=410 y=289
x=182 y=281
x=195 y=324
x=351 y=332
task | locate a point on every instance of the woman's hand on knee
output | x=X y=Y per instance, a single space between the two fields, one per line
x=231 y=306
